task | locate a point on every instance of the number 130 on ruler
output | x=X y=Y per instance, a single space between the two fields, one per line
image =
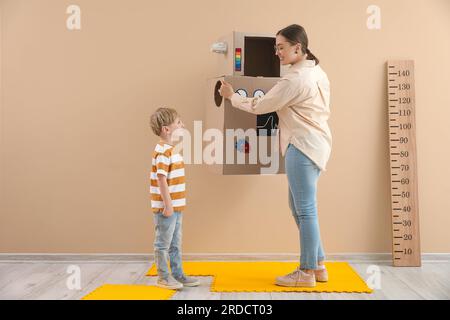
x=403 y=165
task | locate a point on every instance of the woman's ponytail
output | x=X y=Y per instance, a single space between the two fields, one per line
x=311 y=56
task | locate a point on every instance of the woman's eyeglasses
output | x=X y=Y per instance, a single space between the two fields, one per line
x=282 y=47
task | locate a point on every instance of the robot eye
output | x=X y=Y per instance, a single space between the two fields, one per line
x=242 y=93
x=258 y=93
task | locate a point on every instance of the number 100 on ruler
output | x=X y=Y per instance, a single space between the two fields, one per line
x=403 y=165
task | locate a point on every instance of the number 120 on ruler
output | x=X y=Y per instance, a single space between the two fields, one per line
x=403 y=165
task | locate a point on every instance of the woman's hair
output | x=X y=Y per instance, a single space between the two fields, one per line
x=296 y=34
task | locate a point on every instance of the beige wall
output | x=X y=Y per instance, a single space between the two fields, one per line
x=76 y=147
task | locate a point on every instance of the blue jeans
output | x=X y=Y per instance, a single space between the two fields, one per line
x=167 y=244
x=303 y=174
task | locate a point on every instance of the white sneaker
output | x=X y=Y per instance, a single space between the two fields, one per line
x=169 y=283
x=188 y=281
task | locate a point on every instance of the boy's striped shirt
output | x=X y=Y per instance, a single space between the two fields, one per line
x=171 y=165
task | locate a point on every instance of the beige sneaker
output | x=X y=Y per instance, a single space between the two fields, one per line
x=188 y=281
x=321 y=275
x=297 y=278
x=169 y=283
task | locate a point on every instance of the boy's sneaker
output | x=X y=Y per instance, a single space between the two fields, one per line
x=169 y=283
x=188 y=281
x=297 y=278
x=321 y=274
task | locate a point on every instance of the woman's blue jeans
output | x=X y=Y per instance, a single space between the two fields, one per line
x=303 y=174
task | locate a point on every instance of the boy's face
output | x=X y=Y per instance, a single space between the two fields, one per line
x=177 y=124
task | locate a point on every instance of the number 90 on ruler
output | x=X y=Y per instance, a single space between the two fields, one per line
x=403 y=165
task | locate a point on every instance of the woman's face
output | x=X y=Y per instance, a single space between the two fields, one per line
x=286 y=51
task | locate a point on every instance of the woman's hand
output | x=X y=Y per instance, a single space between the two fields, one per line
x=226 y=90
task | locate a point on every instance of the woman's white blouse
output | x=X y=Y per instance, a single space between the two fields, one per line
x=302 y=101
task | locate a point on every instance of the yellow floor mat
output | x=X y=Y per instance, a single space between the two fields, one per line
x=260 y=276
x=129 y=292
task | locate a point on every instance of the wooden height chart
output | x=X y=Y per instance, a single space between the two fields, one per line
x=402 y=147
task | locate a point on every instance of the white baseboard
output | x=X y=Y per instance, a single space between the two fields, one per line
x=144 y=257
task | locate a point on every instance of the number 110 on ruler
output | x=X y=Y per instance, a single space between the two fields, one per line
x=403 y=165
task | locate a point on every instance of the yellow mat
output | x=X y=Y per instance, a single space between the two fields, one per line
x=260 y=276
x=129 y=292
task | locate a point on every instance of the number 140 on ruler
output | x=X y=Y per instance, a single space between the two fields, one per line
x=403 y=165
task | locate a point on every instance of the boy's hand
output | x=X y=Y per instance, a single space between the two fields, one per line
x=165 y=195
x=226 y=90
x=168 y=211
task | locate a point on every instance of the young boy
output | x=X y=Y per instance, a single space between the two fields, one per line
x=168 y=201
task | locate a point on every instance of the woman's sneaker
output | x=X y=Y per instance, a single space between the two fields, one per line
x=169 y=283
x=188 y=281
x=297 y=278
x=321 y=274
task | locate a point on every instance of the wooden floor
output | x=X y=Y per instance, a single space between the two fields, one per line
x=47 y=280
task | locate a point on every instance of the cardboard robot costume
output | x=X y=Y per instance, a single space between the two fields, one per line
x=248 y=62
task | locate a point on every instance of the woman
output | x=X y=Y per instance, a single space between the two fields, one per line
x=301 y=99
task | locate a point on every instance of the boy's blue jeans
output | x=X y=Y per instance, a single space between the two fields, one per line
x=303 y=174
x=167 y=244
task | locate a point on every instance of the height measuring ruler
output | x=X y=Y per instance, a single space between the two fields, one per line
x=403 y=164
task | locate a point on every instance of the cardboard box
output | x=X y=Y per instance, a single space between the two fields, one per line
x=222 y=115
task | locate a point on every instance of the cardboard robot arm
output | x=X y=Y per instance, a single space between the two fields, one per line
x=280 y=96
